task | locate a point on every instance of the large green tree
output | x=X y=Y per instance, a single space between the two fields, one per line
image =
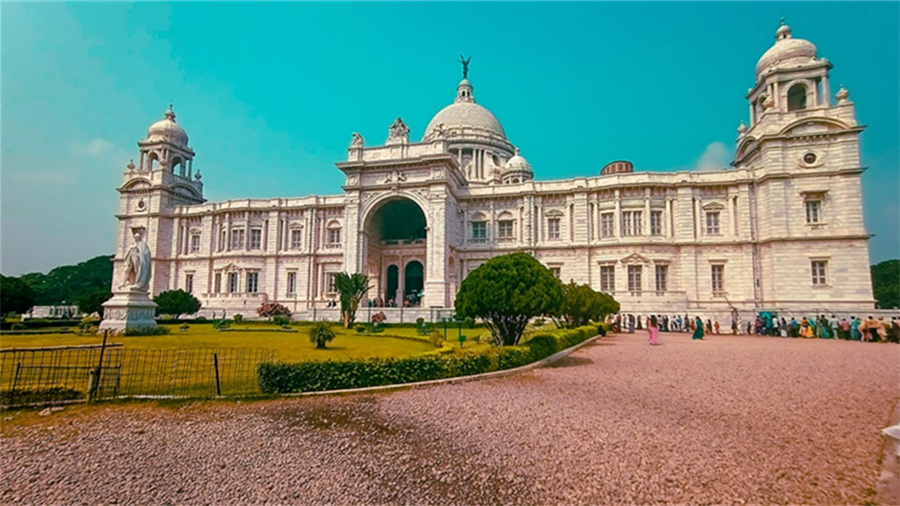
x=176 y=303
x=15 y=295
x=581 y=304
x=352 y=288
x=71 y=283
x=507 y=291
x=93 y=302
x=886 y=284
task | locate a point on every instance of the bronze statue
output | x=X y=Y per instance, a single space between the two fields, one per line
x=465 y=63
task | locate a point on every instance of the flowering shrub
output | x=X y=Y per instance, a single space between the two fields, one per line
x=271 y=309
x=379 y=317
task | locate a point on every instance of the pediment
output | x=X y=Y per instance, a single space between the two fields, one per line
x=635 y=258
x=553 y=213
x=814 y=127
x=295 y=225
x=713 y=206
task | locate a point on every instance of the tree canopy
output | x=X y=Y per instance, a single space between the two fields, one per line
x=582 y=304
x=176 y=303
x=71 y=283
x=93 y=302
x=506 y=292
x=886 y=284
x=15 y=295
x=352 y=288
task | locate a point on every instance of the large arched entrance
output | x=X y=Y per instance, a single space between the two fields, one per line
x=395 y=251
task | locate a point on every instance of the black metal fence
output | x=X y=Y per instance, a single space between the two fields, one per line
x=79 y=373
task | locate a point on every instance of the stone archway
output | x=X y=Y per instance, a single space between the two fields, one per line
x=396 y=230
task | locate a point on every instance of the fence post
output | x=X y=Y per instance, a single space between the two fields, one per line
x=15 y=382
x=96 y=386
x=216 y=365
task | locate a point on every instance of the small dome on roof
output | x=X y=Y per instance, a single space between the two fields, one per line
x=517 y=163
x=464 y=117
x=786 y=52
x=167 y=130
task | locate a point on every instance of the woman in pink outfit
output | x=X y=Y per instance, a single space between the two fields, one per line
x=653 y=328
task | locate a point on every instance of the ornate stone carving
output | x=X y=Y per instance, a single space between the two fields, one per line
x=398 y=133
x=357 y=141
x=437 y=133
x=138 y=267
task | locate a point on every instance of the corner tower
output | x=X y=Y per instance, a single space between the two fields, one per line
x=151 y=193
x=801 y=153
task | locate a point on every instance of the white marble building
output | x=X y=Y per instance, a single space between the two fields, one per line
x=780 y=229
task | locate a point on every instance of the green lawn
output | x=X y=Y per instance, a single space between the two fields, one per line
x=288 y=346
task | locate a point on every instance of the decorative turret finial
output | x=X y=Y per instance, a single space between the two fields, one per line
x=197 y=175
x=842 y=94
x=131 y=166
x=465 y=63
x=784 y=31
x=742 y=128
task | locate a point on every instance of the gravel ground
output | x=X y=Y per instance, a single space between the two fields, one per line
x=725 y=420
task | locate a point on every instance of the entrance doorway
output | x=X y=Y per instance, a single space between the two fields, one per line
x=414 y=282
x=393 y=277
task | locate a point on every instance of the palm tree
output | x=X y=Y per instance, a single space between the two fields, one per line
x=321 y=333
x=352 y=287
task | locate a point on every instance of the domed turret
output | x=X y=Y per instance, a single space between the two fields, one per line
x=517 y=170
x=786 y=53
x=167 y=130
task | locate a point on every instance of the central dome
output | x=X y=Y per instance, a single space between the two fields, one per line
x=464 y=117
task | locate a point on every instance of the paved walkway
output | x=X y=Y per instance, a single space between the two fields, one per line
x=727 y=419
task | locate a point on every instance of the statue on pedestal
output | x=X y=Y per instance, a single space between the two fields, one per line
x=137 y=265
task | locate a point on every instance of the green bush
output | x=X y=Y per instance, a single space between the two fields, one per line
x=469 y=323
x=542 y=346
x=18 y=326
x=360 y=329
x=200 y=319
x=277 y=378
x=281 y=321
x=155 y=331
x=437 y=338
x=420 y=321
x=238 y=318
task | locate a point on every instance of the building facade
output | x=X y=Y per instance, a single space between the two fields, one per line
x=782 y=228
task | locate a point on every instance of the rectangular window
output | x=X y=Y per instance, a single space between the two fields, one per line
x=255 y=238
x=195 y=243
x=553 y=229
x=818 y=272
x=718 y=279
x=292 y=283
x=222 y=238
x=634 y=279
x=655 y=222
x=607 y=225
x=479 y=231
x=218 y=282
x=189 y=283
x=607 y=278
x=237 y=238
x=329 y=282
x=334 y=237
x=556 y=271
x=232 y=282
x=505 y=229
x=712 y=223
x=812 y=211
x=662 y=278
x=252 y=282
x=631 y=223
x=296 y=238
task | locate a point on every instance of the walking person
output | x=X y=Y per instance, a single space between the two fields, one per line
x=698 y=332
x=653 y=329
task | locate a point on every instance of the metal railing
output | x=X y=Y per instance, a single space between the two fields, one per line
x=94 y=372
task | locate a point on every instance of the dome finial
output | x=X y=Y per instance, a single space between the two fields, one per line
x=170 y=112
x=465 y=63
x=784 y=31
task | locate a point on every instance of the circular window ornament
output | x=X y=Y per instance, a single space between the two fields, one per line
x=141 y=205
x=809 y=158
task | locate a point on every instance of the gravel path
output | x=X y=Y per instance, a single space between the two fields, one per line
x=725 y=420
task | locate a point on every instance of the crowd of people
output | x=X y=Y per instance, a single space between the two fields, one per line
x=769 y=324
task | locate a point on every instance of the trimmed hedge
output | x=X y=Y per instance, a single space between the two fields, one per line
x=280 y=378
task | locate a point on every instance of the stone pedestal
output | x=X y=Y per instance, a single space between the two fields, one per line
x=128 y=310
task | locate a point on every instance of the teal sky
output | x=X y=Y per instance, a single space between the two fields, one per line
x=269 y=94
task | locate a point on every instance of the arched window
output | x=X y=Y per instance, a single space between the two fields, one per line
x=797 y=97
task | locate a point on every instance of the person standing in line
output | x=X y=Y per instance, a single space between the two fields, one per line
x=716 y=327
x=653 y=330
x=834 y=327
x=631 y=324
x=698 y=332
x=854 y=329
